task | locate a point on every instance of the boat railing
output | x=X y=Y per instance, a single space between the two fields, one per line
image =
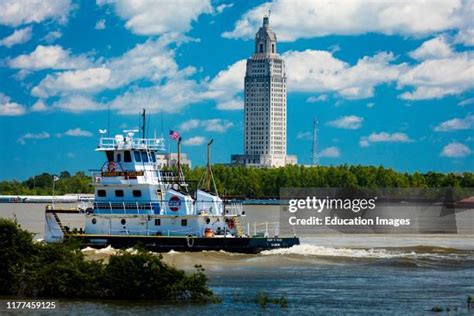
x=132 y=143
x=265 y=229
x=127 y=207
x=147 y=232
x=234 y=208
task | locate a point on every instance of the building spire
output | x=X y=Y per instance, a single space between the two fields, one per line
x=265 y=39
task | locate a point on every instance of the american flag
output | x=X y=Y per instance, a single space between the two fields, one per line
x=174 y=135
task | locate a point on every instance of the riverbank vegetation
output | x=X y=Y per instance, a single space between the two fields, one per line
x=262 y=182
x=38 y=270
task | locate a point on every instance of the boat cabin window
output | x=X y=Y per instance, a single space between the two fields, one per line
x=110 y=155
x=144 y=156
x=101 y=193
x=157 y=221
x=119 y=193
x=137 y=156
x=153 y=157
x=137 y=193
x=127 y=157
x=119 y=158
x=184 y=222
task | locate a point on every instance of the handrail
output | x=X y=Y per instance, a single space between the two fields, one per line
x=132 y=143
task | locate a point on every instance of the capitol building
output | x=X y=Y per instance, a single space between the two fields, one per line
x=265 y=105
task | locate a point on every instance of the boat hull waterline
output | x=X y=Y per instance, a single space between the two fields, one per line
x=249 y=245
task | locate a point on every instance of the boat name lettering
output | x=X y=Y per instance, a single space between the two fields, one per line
x=122 y=174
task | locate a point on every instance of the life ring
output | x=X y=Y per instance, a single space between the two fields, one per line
x=111 y=165
x=230 y=224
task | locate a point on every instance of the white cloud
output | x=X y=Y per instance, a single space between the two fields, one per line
x=316 y=71
x=465 y=36
x=228 y=81
x=159 y=17
x=455 y=150
x=384 y=137
x=39 y=106
x=88 y=80
x=320 y=98
x=304 y=135
x=77 y=104
x=8 y=108
x=319 y=71
x=189 y=125
x=48 y=57
x=330 y=152
x=194 y=141
x=18 y=12
x=41 y=135
x=222 y=7
x=307 y=19
x=347 y=122
x=213 y=125
x=100 y=25
x=77 y=132
x=437 y=78
x=231 y=105
x=152 y=60
x=435 y=48
x=52 y=36
x=170 y=97
x=456 y=124
x=466 y=102
x=18 y=37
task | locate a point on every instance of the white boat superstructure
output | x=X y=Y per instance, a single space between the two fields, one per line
x=133 y=196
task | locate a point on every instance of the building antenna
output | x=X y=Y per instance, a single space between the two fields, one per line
x=108 y=120
x=314 y=149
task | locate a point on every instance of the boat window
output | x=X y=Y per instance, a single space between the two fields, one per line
x=157 y=222
x=137 y=193
x=127 y=157
x=184 y=222
x=94 y=221
x=137 y=156
x=101 y=193
x=123 y=221
x=119 y=193
x=119 y=158
x=153 y=157
x=110 y=155
x=144 y=156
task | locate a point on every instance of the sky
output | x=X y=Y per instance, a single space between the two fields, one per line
x=390 y=82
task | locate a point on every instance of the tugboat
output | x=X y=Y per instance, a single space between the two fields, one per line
x=137 y=203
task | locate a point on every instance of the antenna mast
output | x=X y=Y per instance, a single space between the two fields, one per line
x=314 y=149
x=207 y=178
x=143 y=123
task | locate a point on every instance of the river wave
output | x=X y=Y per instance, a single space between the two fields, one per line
x=310 y=255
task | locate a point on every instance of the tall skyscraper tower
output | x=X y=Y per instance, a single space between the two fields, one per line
x=265 y=104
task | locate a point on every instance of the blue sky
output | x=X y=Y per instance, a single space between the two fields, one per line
x=391 y=83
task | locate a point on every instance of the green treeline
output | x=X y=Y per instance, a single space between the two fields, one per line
x=259 y=182
x=262 y=182
x=42 y=184
x=38 y=270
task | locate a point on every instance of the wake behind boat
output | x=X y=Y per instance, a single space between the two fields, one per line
x=136 y=202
